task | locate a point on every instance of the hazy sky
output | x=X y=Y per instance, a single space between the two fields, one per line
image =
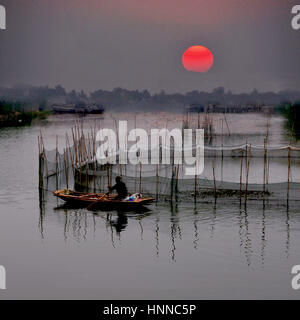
x=138 y=44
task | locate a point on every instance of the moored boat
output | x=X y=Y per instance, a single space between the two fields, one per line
x=78 y=108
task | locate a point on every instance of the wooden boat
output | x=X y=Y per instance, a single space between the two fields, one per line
x=100 y=199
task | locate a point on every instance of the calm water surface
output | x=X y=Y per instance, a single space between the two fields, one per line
x=184 y=251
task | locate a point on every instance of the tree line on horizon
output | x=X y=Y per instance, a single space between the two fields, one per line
x=42 y=97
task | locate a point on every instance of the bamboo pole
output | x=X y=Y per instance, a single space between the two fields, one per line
x=289 y=172
x=172 y=181
x=111 y=174
x=157 y=182
x=177 y=176
x=266 y=163
x=195 y=187
x=80 y=152
x=85 y=157
x=140 y=180
x=41 y=169
x=56 y=163
x=107 y=169
x=56 y=159
x=214 y=175
x=88 y=159
x=39 y=147
x=89 y=148
x=195 y=179
x=44 y=155
x=84 y=146
x=94 y=150
x=265 y=166
x=66 y=168
x=289 y=166
x=268 y=170
x=94 y=159
x=247 y=176
x=71 y=155
x=241 y=173
x=222 y=143
x=75 y=147
x=79 y=145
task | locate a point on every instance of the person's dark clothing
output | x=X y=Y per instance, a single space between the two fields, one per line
x=121 y=189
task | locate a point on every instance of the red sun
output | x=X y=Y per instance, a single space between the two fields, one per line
x=197 y=59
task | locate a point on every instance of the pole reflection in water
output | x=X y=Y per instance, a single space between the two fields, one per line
x=213 y=219
x=142 y=230
x=287 y=222
x=157 y=236
x=42 y=213
x=196 y=239
x=175 y=228
x=263 y=235
x=171 y=225
x=66 y=227
x=248 y=247
x=244 y=234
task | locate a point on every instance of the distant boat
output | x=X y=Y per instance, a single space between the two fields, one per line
x=78 y=108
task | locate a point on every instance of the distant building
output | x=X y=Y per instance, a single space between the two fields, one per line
x=216 y=108
x=198 y=108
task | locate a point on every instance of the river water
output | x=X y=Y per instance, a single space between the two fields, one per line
x=207 y=250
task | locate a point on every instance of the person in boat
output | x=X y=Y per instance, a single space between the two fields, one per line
x=121 y=189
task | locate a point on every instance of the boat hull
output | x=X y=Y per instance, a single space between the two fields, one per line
x=97 y=200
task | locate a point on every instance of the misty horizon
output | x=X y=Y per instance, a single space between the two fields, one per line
x=152 y=93
x=121 y=98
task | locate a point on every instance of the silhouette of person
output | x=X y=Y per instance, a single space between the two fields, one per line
x=121 y=189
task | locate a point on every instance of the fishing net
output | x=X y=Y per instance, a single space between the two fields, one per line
x=260 y=171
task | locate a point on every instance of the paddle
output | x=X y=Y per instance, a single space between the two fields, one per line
x=93 y=203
